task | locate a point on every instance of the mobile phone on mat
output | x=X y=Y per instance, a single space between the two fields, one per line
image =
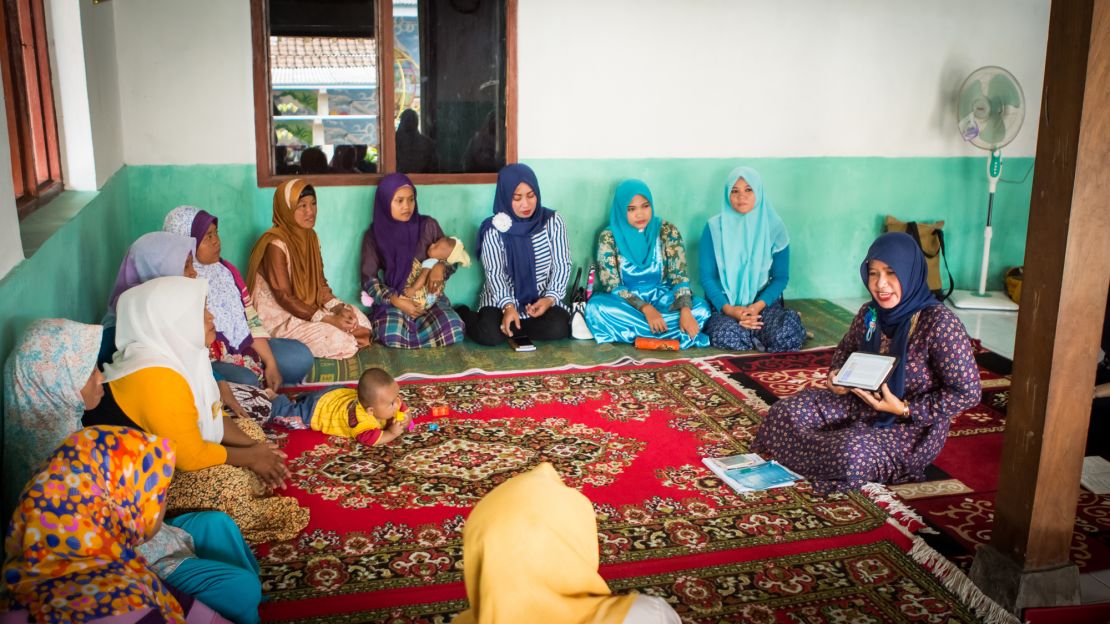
x=521 y=342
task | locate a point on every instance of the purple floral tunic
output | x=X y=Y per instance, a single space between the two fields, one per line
x=829 y=438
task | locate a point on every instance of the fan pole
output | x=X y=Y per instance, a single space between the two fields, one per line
x=994 y=171
x=981 y=299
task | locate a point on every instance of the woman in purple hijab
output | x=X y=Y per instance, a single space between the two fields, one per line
x=397 y=240
x=244 y=352
x=155 y=254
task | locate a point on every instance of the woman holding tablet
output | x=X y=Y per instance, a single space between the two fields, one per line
x=839 y=437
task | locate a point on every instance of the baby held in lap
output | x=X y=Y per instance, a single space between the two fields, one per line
x=372 y=414
x=445 y=249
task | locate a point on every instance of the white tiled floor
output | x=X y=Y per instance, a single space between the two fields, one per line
x=995 y=329
x=1094 y=587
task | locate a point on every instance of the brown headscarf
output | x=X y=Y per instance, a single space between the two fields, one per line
x=304 y=247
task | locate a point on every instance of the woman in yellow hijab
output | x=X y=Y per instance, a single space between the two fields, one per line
x=530 y=554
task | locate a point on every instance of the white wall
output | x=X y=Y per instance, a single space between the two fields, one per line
x=99 y=34
x=11 y=247
x=86 y=91
x=637 y=78
x=719 y=78
x=71 y=94
x=185 y=81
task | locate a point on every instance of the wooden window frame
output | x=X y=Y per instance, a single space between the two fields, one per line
x=387 y=156
x=36 y=160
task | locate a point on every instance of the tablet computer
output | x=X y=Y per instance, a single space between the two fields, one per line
x=865 y=370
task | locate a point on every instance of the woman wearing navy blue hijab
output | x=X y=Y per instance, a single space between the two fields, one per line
x=526 y=259
x=839 y=438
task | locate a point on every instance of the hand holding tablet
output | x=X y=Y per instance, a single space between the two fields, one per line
x=865 y=375
x=867 y=371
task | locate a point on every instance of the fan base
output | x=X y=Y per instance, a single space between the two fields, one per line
x=991 y=300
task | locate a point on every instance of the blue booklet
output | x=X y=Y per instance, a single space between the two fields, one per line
x=750 y=472
x=763 y=476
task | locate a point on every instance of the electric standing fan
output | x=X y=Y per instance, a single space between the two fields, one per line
x=990 y=109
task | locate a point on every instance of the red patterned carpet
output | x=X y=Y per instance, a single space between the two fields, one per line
x=957 y=500
x=384 y=542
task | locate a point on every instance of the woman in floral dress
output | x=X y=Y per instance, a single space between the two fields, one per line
x=642 y=266
x=839 y=438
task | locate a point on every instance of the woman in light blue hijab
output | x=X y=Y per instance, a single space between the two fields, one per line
x=642 y=269
x=745 y=265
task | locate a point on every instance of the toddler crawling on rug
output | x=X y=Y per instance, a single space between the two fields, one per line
x=445 y=249
x=373 y=414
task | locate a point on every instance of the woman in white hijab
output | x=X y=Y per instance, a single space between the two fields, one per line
x=160 y=380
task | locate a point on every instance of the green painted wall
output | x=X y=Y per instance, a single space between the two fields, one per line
x=833 y=208
x=72 y=273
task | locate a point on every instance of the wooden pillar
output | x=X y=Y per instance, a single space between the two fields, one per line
x=1067 y=265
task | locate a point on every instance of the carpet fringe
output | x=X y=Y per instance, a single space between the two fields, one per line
x=889 y=501
x=955 y=581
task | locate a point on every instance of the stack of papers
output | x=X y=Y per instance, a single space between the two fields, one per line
x=750 y=472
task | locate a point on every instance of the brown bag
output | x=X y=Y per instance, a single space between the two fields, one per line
x=1013 y=279
x=930 y=237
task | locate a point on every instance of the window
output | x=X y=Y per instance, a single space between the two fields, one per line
x=29 y=98
x=320 y=114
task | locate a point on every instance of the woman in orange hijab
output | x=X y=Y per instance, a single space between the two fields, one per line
x=286 y=277
x=71 y=551
x=530 y=552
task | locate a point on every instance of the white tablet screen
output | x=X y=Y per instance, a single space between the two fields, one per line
x=865 y=370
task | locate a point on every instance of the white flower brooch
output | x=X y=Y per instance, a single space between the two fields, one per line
x=502 y=222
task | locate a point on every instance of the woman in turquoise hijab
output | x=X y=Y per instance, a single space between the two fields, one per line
x=642 y=267
x=745 y=265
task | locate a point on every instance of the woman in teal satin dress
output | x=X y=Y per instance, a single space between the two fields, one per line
x=642 y=267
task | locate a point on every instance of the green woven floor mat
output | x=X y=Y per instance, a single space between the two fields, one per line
x=825 y=320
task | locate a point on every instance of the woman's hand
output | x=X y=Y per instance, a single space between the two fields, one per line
x=750 y=316
x=406 y=305
x=509 y=318
x=751 y=322
x=273 y=377
x=271 y=374
x=882 y=401
x=539 y=307
x=654 y=319
x=437 y=277
x=269 y=464
x=339 y=321
x=347 y=313
x=687 y=323
x=747 y=316
x=229 y=400
x=830 y=382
